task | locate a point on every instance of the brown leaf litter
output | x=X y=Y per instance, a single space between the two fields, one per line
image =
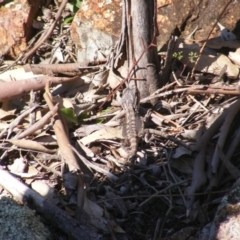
x=186 y=160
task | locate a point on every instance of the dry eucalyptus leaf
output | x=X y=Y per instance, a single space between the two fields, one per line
x=87 y=150
x=183 y=164
x=17 y=74
x=113 y=80
x=92 y=208
x=29 y=144
x=103 y=134
x=4 y=115
x=180 y=151
x=19 y=165
x=100 y=78
x=235 y=57
x=95 y=215
x=32 y=173
x=58 y=55
x=192 y=134
x=87 y=129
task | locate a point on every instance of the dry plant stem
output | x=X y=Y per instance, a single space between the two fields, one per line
x=199 y=176
x=220 y=106
x=175 y=181
x=202 y=143
x=171 y=138
x=203 y=46
x=210 y=86
x=49 y=211
x=163 y=190
x=117 y=116
x=199 y=103
x=66 y=69
x=230 y=167
x=17 y=121
x=39 y=124
x=48 y=33
x=206 y=90
x=234 y=144
x=62 y=139
x=156 y=231
x=232 y=111
x=33 y=102
x=156 y=115
x=47 y=168
x=179 y=84
x=102 y=116
x=11 y=90
x=162 y=89
x=170 y=92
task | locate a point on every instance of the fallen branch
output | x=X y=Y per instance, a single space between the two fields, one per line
x=11 y=90
x=17 y=121
x=231 y=113
x=61 y=135
x=49 y=211
x=208 y=90
x=68 y=69
x=199 y=172
x=39 y=124
x=229 y=166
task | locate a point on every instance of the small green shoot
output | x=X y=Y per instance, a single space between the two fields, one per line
x=69 y=115
x=68 y=20
x=75 y=5
x=192 y=56
x=178 y=55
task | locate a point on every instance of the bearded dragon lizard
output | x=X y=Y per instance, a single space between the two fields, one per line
x=133 y=122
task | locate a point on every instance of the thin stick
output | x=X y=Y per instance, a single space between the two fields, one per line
x=48 y=33
x=203 y=46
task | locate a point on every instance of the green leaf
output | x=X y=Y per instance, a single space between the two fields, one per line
x=68 y=20
x=69 y=114
x=76 y=4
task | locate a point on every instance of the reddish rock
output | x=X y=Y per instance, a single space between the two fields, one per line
x=171 y=16
x=184 y=16
x=179 y=16
x=16 y=20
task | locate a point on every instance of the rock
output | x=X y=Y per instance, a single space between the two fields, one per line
x=19 y=222
x=226 y=224
x=16 y=20
x=103 y=20
x=184 y=16
x=96 y=28
x=171 y=16
x=208 y=12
